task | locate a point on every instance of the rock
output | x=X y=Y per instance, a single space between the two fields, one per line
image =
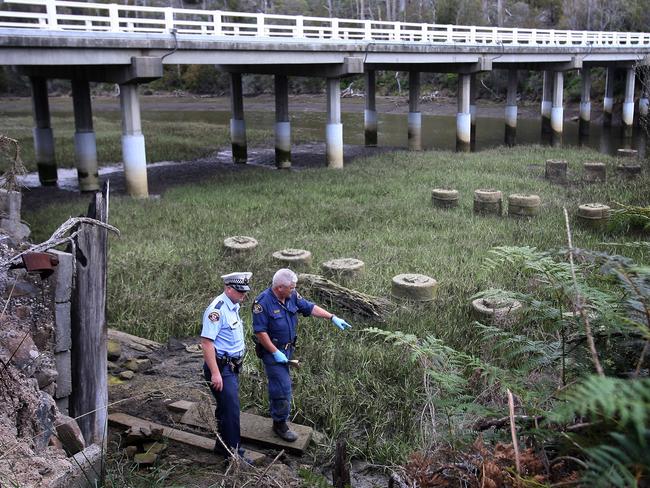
x=131 y=451
x=111 y=366
x=23 y=312
x=69 y=434
x=21 y=289
x=132 y=364
x=154 y=447
x=114 y=350
x=127 y=375
x=19 y=346
x=114 y=381
x=44 y=418
x=145 y=458
x=46 y=376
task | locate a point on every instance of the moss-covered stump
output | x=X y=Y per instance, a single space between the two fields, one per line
x=593 y=215
x=594 y=172
x=556 y=170
x=628 y=170
x=496 y=311
x=487 y=202
x=414 y=287
x=343 y=268
x=239 y=244
x=520 y=205
x=444 y=197
x=293 y=258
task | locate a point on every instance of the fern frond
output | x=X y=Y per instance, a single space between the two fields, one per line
x=621 y=463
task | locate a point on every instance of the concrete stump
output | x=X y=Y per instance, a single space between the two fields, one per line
x=628 y=171
x=556 y=170
x=594 y=172
x=488 y=202
x=496 y=311
x=415 y=287
x=627 y=153
x=343 y=268
x=293 y=258
x=444 y=197
x=594 y=215
x=520 y=205
x=238 y=244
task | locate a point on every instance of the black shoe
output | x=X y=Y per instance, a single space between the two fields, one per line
x=281 y=429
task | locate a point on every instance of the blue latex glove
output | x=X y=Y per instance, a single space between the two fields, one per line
x=340 y=323
x=280 y=357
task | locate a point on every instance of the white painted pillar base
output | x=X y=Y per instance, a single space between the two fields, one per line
x=608 y=109
x=370 y=127
x=644 y=104
x=547 y=105
x=415 y=131
x=334 y=145
x=85 y=149
x=463 y=131
x=135 y=165
x=585 y=111
x=511 y=125
x=557 y=119
x=238 y=140
x=628 y=114
x=44 y=154
x=283 y=144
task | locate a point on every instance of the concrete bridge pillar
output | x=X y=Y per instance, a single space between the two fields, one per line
x=133 y=147
x=585 y=102
x=557 y=112
x=370 y=113
x=628 y=103
x=511 y=109
x=644 y=78
x=42 y=133
x=282 y=123
x=464 y=117
x=334 y=128
x=547 y=102
x=414 y=117
x=85 y=145
x=473 y=90
x=608 y=100
x=237 y=123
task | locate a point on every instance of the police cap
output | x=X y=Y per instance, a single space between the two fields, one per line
x=238 y=280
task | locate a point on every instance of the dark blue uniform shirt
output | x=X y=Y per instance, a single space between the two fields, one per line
x=279 y=320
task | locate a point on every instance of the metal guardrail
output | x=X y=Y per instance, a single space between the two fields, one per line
x=104 y=17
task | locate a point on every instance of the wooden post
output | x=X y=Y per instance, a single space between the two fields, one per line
x=89 y=380
x=341 y=472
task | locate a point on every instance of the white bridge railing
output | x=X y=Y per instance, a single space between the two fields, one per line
x=104 y=17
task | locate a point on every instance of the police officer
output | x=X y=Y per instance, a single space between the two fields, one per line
x=275 y=317
x=222 y=341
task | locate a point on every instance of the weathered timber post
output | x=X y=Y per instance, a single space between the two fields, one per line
x=237 y=122
x=89 y=396
x=585 y=102
x=85 y=144
x=644 y=79
x=511 y=109
x=42 y=133
x=414 y=117
x=282 y=123
x=341 y=472
x=608 y=100
x=370 y=112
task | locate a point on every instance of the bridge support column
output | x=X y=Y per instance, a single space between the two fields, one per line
x=463 y=117
x=608 y=100
x=644 y=78
x=628 y=103
x=414 y=117
x=547 y=103
x=473 y=90
x=133 y=147
x=557 y=112
x=237 y=122
x=334 y=128
x=511 y=109
x=370 y=113
x=585 y=103
x=42 y=133
x=282 y=123
x=85 y=145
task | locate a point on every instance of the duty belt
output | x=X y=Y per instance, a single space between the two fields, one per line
x=286 y=346
x=235 y=363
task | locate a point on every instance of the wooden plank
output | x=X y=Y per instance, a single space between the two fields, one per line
x=253 y=428
x=127 y=421
x=126 y=339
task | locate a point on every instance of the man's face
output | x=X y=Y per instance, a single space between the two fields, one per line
x=236 y=296
x=284 y=291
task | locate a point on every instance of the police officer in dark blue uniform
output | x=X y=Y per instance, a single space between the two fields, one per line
x=222 y=341
x=275 y=318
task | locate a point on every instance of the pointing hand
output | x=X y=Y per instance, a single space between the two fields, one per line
x=340 y=323
x=280 y=357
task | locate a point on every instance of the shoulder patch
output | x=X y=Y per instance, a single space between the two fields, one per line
x=298 y=296
x=214 y=316
x=257 y=308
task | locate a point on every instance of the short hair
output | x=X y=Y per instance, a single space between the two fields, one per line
x=284 y=277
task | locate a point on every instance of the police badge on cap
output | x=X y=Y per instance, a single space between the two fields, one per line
x=238 y=281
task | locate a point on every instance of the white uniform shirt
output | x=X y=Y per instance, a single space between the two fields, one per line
x=223 y=325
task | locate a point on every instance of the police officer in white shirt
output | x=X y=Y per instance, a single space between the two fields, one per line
x=222 y=341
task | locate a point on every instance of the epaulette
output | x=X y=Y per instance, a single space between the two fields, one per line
x=218 y=305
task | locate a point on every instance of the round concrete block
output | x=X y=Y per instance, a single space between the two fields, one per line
x=293 y=257
x=628 y=170
x=594 y=215
x=521 y=205
x=416 y=287
x=556 y=170
x=444 y=197
x=237 y=244
x=627 y=153
x=496 y=311
x=594 y=171
x=487 y=201
x=343 y=268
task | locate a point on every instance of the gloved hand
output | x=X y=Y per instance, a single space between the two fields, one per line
x=280 y=357
x=340 y=323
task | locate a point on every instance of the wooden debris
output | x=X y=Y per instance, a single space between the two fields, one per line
x=130 y=340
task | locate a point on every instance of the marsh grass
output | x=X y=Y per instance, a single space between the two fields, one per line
x=165 y=268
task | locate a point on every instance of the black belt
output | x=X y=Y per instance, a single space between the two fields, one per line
x=234 y=362
x=286 y=346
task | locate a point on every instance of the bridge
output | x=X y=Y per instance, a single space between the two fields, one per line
x=129 y=45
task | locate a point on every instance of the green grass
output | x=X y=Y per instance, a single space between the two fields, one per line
x=165 y=268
